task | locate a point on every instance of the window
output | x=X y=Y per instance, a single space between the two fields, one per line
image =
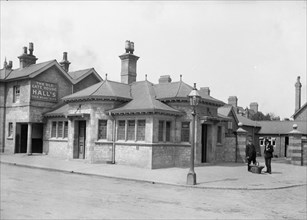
x=131 y=130
x=16 y=94
x=60 y=129
x=273 y=142
x=168 y=131
x=219 y=134
x=121 y=130
x=185 y=131
x=53 y=129
x=65 y=129
x=102 y=129
x=140 y=136
x=160 y=130
x=261 y=142
x=229 y=125
x=10 y=130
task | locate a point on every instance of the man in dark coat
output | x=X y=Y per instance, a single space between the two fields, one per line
x=268 y=154
x=250 y=153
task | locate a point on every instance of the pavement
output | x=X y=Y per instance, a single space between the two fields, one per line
x=231 y=176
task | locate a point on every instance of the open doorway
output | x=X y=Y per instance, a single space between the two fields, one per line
x=79 y=140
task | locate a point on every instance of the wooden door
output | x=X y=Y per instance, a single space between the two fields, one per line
x=204 y=138
x=81 y=139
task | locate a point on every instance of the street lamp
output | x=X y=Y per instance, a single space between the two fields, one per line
x=194 y=100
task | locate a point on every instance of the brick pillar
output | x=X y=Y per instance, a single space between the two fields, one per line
x=295 y=146
x=241 y=144
x=29 y=143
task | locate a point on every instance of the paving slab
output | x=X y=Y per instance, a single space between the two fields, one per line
x=232 y=176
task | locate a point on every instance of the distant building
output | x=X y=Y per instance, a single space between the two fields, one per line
x=247 y=112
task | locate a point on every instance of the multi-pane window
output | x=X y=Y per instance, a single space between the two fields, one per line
x=131 y=130
x=102 y=129
x=230 y=125
x=160 y=130
x=59 y=129
x=185 y=131
x=16 y=93
x=168 y=131
x=65 y=129
x=140 y=135
x=10 y=130
x=53 y=129
x=219 y=134
x=121 y=130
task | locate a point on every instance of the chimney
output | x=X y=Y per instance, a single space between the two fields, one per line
x=165 y=79
x=5 y=64
x=27 y=59
x=65 y=63
x=233 y=100
x=298 y=87
x=205 y=90
x=128 y=69
x=254 y=106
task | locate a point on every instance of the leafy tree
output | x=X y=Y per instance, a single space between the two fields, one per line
x=259 y=116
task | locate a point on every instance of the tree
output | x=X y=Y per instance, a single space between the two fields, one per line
x=259 y=116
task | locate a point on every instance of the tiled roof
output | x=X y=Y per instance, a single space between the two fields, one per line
x=281 y=127
x=224 y=110
x=102 y=90
x=299 y=110
x=27 y=71
x=81 y=74
x=61 y=111
x=179 y=90
x=247 y=122
x=144 y=100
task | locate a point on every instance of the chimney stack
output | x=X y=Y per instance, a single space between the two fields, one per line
x=165 y=79
x=233 y=100
x=65 y=63
x=254 y=106
x=128 y=69
x=205 y=90
x=26 y=59
x=298 y=87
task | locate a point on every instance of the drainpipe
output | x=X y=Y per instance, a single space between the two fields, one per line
x=113 y=137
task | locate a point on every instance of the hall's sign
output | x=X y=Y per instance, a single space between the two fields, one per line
x=44 y=91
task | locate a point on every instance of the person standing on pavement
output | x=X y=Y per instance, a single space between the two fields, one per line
x=268 y=154
x=250 y=153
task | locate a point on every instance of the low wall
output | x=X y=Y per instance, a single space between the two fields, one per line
x=304 y=152
x=56 y=148
x=102 y=152
x=164 y=156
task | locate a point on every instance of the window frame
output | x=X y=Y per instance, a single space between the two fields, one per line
x=185 y=130
x=10 y=130
x=143 y=134
x=16 y=94
x=104 y=136
x=58 y=129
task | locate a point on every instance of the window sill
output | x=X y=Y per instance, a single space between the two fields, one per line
x=58 y=139
x=9 y=138
x=219 y=144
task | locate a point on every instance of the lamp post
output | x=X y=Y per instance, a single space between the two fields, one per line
x=194 y=100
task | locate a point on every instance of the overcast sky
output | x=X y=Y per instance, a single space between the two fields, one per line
x=252 y=50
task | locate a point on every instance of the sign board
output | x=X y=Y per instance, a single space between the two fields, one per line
x=44 y=91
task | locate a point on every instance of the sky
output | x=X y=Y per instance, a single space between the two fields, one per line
x=250 y=49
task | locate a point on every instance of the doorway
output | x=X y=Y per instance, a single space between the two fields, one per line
x=80 y=140
x=286 y=145
x=204 y=142
x=21 y=138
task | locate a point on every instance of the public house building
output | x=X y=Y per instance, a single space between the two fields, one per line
x=131 y=122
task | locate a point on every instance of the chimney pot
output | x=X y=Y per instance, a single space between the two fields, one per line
x=31 y=48
x=10 y=66
x=65 y=63
x=127 y=46
x=165 y=79
x=205 y=90
x=64 y=56
x=25 y=50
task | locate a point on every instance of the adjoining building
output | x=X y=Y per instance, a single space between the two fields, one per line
x=29 y=91
x=136 y=123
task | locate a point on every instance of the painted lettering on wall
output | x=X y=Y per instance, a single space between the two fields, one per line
x=44 y=91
